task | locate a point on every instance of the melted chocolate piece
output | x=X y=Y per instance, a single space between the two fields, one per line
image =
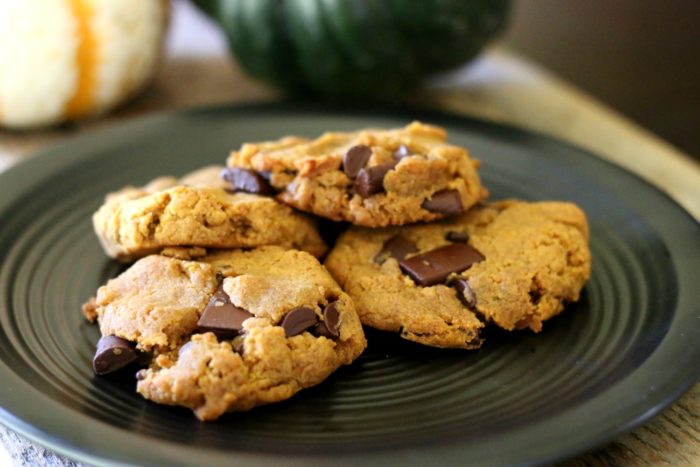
x=396 y=247
x=457 y=237
x=465 y=293
x=299 y=320
x=401 y=152
x=222 y=317
x=113 y=353
x=329 y=326
x=246 y=180
x=370 y=180
x=355 y=159
x=434 y=266
x=446 y=202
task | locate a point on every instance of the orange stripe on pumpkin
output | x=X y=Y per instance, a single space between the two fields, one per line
x=85 y=58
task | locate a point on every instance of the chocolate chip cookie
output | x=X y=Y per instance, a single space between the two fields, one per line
x=231 y=331
x=197 y=211
x=372 y=178
x=510 y=263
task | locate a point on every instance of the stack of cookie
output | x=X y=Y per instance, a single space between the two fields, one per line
x=229 y=307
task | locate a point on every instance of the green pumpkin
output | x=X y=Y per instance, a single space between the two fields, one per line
x=354 y=48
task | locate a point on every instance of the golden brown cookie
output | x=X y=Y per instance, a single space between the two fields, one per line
x=156 y=302
x=511 y=263
x=167 y=212
x=372 y=178
x=232 y=331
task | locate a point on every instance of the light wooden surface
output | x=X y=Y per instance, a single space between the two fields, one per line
x=500 y=87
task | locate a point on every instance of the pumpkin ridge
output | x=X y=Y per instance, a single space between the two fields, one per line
x=85 y=59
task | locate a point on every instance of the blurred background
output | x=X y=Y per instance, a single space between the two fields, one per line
x=639 y=57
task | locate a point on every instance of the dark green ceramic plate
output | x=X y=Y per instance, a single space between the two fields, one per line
x=628 y=349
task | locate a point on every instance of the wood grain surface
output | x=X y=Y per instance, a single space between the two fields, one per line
x=500 y=87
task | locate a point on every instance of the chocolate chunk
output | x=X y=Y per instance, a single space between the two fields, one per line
x=446 y=202
x=371 y=180
x=299 y=320
x=355 y=159
x=464 y=293
x=457 y=237
x=434 y=266
x=222 y=317
x=112 y=354
x=397 y=247
x=246 y=180
x=329 y=326
x=401 y=152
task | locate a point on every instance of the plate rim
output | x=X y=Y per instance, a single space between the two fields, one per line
x=63 y=161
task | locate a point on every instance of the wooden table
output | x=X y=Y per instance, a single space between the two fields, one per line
x=500 y=86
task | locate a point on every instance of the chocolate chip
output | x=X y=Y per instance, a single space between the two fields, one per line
x=435 y=265
x=222 y=317
x=401 y=152
x=465 y=293
x=329 y=326
x=355 y=159
x=371 y=180
x=246 y=180
x=396 y=247
x=457 y=237
x=112 y=354
x=299 y=320
x=446 y=202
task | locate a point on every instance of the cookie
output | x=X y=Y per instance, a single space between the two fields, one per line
x=156 y=303
x=510 y=263
x=232 y=331
x=372 y=178
x=167 y=212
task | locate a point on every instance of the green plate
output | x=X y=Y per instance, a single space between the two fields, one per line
x=628 y=349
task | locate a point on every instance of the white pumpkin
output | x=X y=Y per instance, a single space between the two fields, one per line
x=67 y=59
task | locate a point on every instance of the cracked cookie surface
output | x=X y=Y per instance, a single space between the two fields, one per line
x=530 y=258
x=197 y=211
x=298 y=327
x=372 y=178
